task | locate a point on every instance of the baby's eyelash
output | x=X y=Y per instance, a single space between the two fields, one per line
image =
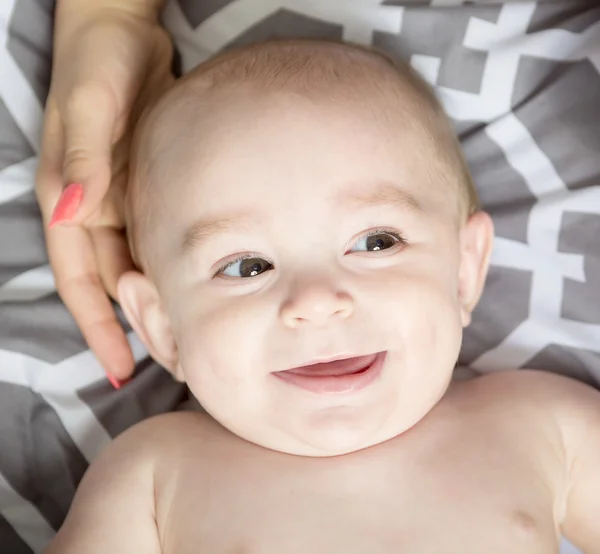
x=396 y=234
x=226 y=264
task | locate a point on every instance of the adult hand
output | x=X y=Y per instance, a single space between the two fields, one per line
x=110 y=58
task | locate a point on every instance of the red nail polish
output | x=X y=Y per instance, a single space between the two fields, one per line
x=67 y=205
x=115 y=382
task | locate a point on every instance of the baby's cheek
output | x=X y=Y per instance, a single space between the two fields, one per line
x=428 y=311
x=222 y=341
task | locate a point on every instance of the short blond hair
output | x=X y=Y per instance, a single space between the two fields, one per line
x=313 y=68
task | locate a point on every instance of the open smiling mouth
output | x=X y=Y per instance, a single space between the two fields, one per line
x=336 y=377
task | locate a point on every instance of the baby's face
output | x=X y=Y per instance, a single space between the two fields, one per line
x=290 y=233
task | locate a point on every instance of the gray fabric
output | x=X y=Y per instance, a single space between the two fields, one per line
x=428 y=32
x=10 y=542
x=117 y=414
x=20 y=218
x=13 y=145
x=30 y=42
x=581 y=300
x=43 y=465
x=521 y=83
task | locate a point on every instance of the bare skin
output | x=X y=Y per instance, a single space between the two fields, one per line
x=500 y=464
x=503 y=463
x=110 y=58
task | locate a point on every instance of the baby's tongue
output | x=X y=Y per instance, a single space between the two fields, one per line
x=335 y=368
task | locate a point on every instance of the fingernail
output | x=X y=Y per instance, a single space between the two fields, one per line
x=116 y=383
x=67 y=205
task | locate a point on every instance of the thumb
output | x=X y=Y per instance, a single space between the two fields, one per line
x=89 y=124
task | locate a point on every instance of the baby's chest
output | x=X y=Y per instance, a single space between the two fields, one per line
x=456 y=506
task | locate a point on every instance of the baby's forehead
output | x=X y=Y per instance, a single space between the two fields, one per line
x=187 y=122
x=319 y=71
x=354 y=85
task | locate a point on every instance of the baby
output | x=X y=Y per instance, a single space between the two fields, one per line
x=312 y=250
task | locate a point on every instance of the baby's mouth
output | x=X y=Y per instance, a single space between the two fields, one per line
x=335 y=368
x=336 y=376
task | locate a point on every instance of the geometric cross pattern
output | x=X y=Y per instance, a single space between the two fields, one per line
x=474 y=54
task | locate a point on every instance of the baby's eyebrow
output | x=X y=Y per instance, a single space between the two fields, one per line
x=203 y=229
x=380 y=194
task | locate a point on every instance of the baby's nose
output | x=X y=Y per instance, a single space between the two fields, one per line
x=316 y=305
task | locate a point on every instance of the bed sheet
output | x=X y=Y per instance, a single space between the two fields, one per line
x=521 y=82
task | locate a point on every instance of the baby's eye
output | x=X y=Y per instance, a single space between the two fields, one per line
x=376 y=241
x=245 y=267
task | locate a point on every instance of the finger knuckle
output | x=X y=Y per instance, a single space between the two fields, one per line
x=86 y=97
x=77 y=160
x=68 y=286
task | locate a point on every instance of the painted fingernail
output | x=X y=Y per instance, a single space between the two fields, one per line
x=116 y=383
x=67 y=205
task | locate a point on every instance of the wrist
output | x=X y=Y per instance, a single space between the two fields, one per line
x=83 y=9
x=75 y=18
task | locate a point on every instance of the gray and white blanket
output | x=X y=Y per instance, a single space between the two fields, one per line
x=521 y=81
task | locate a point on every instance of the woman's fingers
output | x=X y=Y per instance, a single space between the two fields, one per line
x=105 y=65
x=112 y=256
x=72 y=257
x=49 y=184
x=89 y=123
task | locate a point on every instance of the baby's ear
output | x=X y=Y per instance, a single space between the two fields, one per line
x=144 y=311
x=476 y=240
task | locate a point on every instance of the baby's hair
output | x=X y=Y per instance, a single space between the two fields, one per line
x=314 y=69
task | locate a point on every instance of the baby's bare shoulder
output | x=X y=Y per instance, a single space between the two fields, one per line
x=169 y=432
x=121 y=482
x=526 y=386
x=536 y=400
x=551 y=410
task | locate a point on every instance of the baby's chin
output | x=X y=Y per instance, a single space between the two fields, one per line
x=337 y=443
x=324 y=435
x=328 y=443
